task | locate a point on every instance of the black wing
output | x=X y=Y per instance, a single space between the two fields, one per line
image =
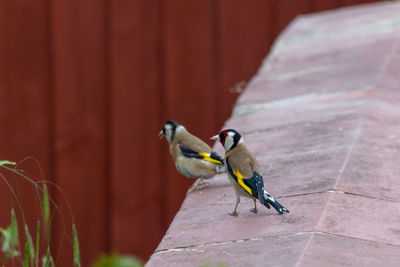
x=215 y=156
x=188 y=152
x=211 y=157
x=253 y=185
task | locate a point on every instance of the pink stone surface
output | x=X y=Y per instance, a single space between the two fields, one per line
x=322 y=116
x=272 y=251
x=204 y=218
x=361 y=217
x=334 y=250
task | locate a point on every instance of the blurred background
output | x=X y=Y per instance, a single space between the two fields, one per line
x=85 y=87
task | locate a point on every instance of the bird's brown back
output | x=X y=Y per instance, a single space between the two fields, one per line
x=242 y=160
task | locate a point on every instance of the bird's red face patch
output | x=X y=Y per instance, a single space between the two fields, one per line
x=222 y=136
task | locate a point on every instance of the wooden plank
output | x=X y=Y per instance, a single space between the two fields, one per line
x=243 y=32
x=137 y=200
x=80 y=121
x=355 y=2
x=320 y=5
x=284 y=11
x=190 y=81
x=24 y=96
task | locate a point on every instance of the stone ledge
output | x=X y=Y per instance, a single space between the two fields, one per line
x=322 y=116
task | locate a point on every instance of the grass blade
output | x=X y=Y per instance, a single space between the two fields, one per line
x=6 y=162
x=26 y=256
x=14 y=230
x=37 y=243
x=29 y=245
x=77 y=262
x=46 y=259
x=46 y=206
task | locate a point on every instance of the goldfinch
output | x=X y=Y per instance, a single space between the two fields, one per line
x=244 y=172
x=192 y=157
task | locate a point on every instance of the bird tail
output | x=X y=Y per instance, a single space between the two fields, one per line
x=269 y=200
x=265 y=198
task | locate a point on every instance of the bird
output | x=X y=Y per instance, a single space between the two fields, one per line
x=244 y=172
x=193 y=158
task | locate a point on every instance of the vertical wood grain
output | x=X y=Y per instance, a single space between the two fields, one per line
x=80 y=134
x=284 y=11
x=243 y=40
x=320 y=5
x=24 y=96
x=190 y=81
x=355 y=2
x=134 y=42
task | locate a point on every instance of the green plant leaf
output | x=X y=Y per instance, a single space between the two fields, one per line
x=29 y=245
x=37 y=243
x=46 y=260
x=26 y=255
x=115 y=260
x=14 y=229
x=46 y=206
x=7 y=162
x=77 y=262
x=10 y=241
x=5 y=241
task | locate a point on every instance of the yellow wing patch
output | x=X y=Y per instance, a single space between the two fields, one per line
x=206 y=157
x=240 y=181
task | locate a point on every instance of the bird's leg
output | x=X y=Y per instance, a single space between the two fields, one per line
x=193 y=187
x=199 y=184
x=235 y=213
x=255 y=206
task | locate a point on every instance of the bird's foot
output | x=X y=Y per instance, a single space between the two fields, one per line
x=234 y=213
x=254 y=210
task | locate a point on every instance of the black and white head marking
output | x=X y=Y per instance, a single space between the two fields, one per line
x=170 y=129
x=230 y=138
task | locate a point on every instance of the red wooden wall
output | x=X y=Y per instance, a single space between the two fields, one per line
x=86 y=85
